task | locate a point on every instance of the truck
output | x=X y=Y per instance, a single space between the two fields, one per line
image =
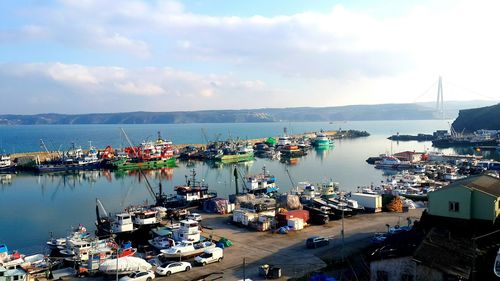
x=210 y=256
x=371 y=202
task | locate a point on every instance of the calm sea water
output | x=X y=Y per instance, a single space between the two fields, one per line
x=32 y=206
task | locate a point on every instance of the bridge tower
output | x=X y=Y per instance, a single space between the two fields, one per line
x=440 y=101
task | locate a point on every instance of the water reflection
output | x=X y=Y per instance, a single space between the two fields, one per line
x=34 y=205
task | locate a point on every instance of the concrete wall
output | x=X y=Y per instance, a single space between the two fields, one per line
x=439 y=202
x=394 y=267
x=425 y=273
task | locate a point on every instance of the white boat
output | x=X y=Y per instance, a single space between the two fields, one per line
x=6 y=164
x=187 y=249
x=496 y=267
x=11 y=274
x=261 y=183
x=189 y=230
x=33 y=259
x=120 y=223
x=145 y=217
x=284 y=139
x=79 y=232
x=10 y=260
x=124 y=265
x=161 y=242
x=391 y=162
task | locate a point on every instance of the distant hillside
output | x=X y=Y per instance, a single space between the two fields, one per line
x=297 y=114
x=470 y=120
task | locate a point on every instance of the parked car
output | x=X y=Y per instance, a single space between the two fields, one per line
x=210 y=256
x=139 y=276
x=316 y=241
x=169 y=268
x=194 y=216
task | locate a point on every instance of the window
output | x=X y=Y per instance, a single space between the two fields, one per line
x=382 y=276
x=453 y=206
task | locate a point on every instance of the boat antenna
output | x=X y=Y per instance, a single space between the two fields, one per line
x=289 y=176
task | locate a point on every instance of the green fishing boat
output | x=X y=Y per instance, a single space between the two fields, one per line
x=132 y=164
x=234 y=158
x=322 y=140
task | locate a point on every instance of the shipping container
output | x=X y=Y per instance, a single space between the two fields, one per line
x=296 y=223
x=283 y=218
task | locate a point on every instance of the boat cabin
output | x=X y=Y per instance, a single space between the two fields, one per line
x=189 y=230
x=147 y=217
x=122 y=223
x=12 y=274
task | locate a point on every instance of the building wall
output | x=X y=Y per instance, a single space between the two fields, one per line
x=485 y=207
x=425 y=273
x=439 y=202
x=394 y=267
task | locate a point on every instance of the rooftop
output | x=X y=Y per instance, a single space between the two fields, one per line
x=446 y=252
x=485 y=183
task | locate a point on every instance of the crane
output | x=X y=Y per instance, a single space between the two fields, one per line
x=148 y=184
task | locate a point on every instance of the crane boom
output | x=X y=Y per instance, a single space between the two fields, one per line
x=148 y=185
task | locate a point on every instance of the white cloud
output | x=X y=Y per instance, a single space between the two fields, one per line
x=336 y=57
x=111 y=89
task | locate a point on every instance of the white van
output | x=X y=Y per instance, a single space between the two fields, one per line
x=209 y=256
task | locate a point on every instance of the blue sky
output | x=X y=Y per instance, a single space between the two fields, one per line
x=81 y=56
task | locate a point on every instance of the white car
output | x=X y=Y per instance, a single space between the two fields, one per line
x=195 y=217
x=173 y=267
x=139 y=276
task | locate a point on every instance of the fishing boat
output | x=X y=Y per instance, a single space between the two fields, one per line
x=148 y=155
x=496 y=266
x=74 y=159
x=144 y=217
x=349 y=203
x=321 y=140
x=338 y=210
x=236 y=153
x=59 y=243
x=391 y=162
x=284 y=139
x=161 y=242
x=6 y=165
x=119 y=224
x=261 y=183
x=187 y=249
x=189 y=230
x=193 y=193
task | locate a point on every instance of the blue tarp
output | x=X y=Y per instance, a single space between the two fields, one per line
x=322 y=277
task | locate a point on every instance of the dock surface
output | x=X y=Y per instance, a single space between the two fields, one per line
x=287 y=251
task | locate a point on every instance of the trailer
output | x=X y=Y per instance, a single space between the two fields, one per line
x=371 y=202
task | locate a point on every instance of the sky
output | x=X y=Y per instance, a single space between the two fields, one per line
x=89 y=56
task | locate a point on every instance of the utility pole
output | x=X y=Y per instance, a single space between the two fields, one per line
x=244 y=270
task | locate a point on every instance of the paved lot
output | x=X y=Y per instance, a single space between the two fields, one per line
x=286 y=251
